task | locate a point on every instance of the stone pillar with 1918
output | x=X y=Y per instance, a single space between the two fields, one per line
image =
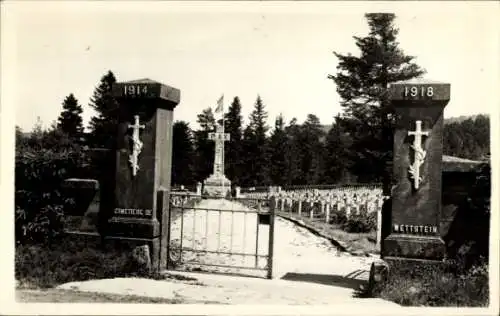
x=418 y=151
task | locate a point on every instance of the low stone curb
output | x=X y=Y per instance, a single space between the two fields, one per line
x=337 y=243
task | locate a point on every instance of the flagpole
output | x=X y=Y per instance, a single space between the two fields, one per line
x=223 y=152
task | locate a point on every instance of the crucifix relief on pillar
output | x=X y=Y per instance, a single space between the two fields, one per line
x=136 y=145
x=419 y=153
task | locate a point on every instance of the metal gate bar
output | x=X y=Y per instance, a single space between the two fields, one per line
x=223 y=253
x=233 y=267
x=181 y=203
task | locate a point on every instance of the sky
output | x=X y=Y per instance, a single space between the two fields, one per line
x=278 y=50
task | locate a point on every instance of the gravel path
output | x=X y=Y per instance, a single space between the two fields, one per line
x=221 y=231
x=296 y=249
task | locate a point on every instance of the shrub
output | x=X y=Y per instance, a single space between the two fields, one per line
x=39 y=200
x=426 y=284
x=338 y=218
x=480 y=212
x=467 y=238
x=361 y=223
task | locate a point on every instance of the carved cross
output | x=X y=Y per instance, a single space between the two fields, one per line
x=420 y=153
x=136 y=145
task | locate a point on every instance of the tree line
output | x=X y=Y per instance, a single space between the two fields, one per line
x=356 y=148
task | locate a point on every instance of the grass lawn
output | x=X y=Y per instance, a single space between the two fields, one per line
x=69 y=296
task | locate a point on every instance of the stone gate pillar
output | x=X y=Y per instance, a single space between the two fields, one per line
x=143 y=164
x=418 y=151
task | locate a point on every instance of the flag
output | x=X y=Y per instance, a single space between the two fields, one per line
x=220 y=105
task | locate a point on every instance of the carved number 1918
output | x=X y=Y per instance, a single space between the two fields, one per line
x=416 y=91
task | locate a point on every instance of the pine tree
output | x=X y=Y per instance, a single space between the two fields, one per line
x=257 y=149
x=337 y=163
x=249 y=164
x=233 y=148
x=293 y=156
x=70 y=120
x=204 y=147
x=278 y=142
x=182 y=154
x=311 y=135
x=103 y=125
x=362 y=84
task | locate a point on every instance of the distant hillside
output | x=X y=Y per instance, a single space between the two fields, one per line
x=326 y=128
x=460 y=119
x=466 y=136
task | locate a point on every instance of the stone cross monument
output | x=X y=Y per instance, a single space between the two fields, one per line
x=143 y=157
x=217 y=183
x=418 y=151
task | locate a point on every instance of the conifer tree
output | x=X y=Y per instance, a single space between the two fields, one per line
x=337 y=160
x=204 y=147
x=103 y=125
x=257 y=149
x=248 y=161
x=182 y=154
x=293 y=157
x=70 y=120
x=362 y=84
x=278 y=142
x=233 y=148
x=312 y=147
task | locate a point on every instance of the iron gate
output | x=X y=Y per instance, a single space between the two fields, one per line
x=220 y=235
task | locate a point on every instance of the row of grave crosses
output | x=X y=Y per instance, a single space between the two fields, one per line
x=345 y=205
x=368 y=199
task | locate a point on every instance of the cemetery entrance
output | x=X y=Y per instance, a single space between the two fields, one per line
x=220 y=235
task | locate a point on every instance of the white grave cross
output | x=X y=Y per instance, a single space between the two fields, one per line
x=420 y=153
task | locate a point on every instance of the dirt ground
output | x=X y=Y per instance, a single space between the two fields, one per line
x=307 y=269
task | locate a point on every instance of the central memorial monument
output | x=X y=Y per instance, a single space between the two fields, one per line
x=217 y=184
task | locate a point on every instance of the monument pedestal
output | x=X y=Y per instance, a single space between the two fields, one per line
x=414 y=247
x=217 y=185
x=418 y=149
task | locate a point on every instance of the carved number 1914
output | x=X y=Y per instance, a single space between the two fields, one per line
x=135 y=90
x=419 y=91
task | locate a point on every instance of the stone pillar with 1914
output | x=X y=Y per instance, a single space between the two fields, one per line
x=418 y=151
x=143 y=165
